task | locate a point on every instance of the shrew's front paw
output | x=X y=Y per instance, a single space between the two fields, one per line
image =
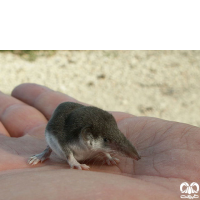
x=80 y=166
x=109 y=160
x=112 y=161
x=74 y=164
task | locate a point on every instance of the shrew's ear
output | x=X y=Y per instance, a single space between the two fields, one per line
x=86 y=133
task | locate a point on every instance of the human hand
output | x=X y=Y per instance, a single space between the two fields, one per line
x=170 y=155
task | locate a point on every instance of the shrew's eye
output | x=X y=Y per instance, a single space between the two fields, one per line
x=105 y=139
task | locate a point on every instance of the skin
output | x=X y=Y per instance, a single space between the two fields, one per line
x=170 y=154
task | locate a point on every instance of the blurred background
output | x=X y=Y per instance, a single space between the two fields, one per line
x=163 y=84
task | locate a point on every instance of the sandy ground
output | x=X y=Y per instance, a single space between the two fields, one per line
x=163 y=84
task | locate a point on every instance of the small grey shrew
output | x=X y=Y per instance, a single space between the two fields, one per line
x=76 y=132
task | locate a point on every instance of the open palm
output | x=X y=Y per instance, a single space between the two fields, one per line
x=170 y=155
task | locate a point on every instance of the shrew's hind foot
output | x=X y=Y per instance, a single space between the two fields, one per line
x=34 y=160
x=40 y=157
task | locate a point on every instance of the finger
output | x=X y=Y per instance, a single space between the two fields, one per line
x=3 y=131
x=121 y=115
x=17 y=117
x=41 y=97
x=46 y=100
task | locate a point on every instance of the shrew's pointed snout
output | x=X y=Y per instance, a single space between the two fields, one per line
x=138 y=157
x=132 y=152
x=129 y=150
x=124 y=146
